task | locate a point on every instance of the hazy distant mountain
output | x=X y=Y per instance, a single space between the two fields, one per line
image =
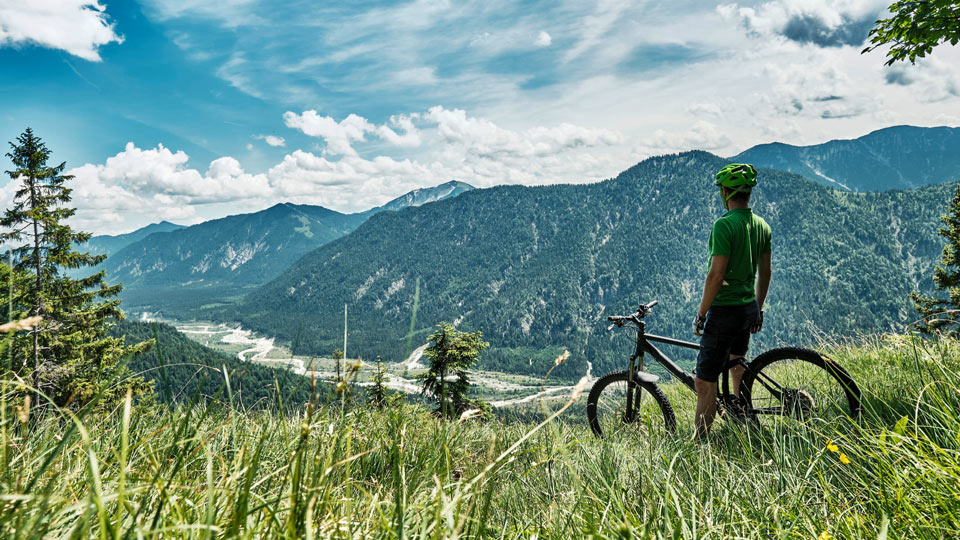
x=899 y=157
x=107 y=245
x=537 y=269
x=223 y=258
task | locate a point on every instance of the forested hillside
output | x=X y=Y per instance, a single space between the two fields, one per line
x=899 y=157
x=537 y=269
x=179 y=366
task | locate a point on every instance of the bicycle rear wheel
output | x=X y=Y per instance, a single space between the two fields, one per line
x=607 y=406
x=792 y=385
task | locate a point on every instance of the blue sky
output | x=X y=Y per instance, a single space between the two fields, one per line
x=188 y=110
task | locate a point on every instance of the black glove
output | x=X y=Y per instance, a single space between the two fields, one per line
x=698 y=323
x=757 y=323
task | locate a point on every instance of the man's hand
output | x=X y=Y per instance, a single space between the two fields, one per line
x=698 y=323
x=757 y=324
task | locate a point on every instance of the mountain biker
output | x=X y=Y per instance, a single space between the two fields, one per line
x=732 y=305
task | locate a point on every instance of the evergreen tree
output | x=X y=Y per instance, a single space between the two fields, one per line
x=379 y=395
x=938 y=313
x=451 y=352
x=69 y=355
x=337 y=357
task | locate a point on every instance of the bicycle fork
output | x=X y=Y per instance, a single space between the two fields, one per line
x=634 y=368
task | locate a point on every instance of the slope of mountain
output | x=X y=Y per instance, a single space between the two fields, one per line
x=537 y=269
x=423 y=196
x=899 y=157
x=108 y=245
x=222 y=258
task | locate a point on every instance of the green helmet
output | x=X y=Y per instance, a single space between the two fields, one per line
x=737 y=177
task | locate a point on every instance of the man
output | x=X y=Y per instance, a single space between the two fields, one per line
x=731 y=307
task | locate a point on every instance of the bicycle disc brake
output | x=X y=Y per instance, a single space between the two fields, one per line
x=797 y=403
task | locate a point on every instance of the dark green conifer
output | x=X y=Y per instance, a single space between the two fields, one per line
x=379 y=395
x=944 y=315
x=451 y=353
x=69 y=356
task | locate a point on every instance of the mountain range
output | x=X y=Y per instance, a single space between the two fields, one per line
x=537 y=269
x=165 y=266
x=108 y=245
x=898 y=157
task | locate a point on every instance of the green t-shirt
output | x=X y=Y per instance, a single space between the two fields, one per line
x=742 y=237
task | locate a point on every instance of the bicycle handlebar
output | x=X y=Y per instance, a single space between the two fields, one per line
x=619 y=320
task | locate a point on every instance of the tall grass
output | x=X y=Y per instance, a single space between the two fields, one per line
x=341 y=470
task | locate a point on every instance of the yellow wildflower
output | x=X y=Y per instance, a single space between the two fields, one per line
x=825 y=536
x=844 y=459
x=832 y=447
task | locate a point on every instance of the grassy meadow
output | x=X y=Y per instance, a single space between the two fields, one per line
x=345 y=470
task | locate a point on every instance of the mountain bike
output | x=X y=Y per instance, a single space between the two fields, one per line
x=785 y=385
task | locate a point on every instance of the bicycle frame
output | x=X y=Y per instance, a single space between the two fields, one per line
x=643 y=346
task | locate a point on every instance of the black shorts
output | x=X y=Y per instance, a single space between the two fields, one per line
x=727 y=332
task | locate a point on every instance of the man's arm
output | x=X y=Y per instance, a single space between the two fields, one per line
x=763 y=278
x=718 y=269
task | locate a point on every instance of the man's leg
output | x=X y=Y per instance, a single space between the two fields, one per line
x=706 y=407
x=736 y=373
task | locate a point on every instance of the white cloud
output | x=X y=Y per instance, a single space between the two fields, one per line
x=340 y=136
x=931 y=79
x=79 y=27
x=410 y=137
x=827 y=23
x=543 y=39
x=484 y=138
x=702 y=135
x=231 y=13
x=140 y=185
x=271 y=140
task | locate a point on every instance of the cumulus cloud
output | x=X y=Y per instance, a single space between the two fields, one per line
x=271 y=140
x=484 y=138
x=819 y=22
x=410 y=138
x=702 y=135
x=143 y=184
x=931 y=79
x=543 y=39
x=340 y=136
x=138 y=183
x=79 y=27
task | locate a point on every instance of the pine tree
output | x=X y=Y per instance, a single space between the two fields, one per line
x=451 y=352
x=939 y=314
x=337 y=357
x=379 y=395
x=68 y=356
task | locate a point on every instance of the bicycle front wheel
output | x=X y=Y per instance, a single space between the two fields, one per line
x=618 y=404
x=792 y=385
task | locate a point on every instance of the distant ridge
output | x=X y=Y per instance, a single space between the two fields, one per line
x=189 y=267
x=422 y=196
x=108 y=245
x=898 y=157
